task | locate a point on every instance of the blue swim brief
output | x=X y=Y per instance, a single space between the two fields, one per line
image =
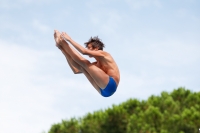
x=110 y=88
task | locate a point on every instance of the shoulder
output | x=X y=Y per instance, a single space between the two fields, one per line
x=96 y=53
x=103 y=52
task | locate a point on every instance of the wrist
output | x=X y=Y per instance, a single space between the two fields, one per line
x=70 y=40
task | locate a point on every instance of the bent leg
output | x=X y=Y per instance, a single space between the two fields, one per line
x=64 y=46
x=91 y=80
x=99 y=76
x=76 y=68
x=73 y=65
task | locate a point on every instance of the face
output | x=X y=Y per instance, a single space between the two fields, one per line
x=90 y=47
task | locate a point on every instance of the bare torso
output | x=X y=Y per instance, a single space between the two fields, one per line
x=109 y=66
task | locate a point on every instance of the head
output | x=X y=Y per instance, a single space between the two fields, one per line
x=94 y=43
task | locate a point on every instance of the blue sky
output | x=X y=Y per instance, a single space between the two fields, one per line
x=155 y=43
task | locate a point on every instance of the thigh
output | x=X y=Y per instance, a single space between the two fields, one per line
x=98 y=75
x=91 y=80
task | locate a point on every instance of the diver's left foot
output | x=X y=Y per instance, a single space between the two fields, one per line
x=57 y=38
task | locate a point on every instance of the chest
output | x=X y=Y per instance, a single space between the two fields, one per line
x=102 y=67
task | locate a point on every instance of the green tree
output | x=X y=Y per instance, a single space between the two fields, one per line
x=93 y=123
x=65 y=126
x=175 y=112
x=148 y=121
x=116 y=120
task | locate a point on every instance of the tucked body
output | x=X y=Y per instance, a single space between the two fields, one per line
x=103 y=74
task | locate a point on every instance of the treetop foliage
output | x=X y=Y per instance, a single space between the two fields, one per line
x=175 y=112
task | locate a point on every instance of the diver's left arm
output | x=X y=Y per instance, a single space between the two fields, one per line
x=81 y=49
x=75 y=44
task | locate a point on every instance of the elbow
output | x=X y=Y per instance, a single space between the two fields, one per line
x=84 y=52
x=77 y=72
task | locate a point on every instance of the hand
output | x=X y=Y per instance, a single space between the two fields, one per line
x=65 y=36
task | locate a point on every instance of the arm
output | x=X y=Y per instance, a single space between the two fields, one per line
x=81 y=49
x=76 y=45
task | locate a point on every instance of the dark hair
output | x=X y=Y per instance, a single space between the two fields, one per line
x=95 y=42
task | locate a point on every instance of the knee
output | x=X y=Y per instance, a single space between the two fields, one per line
x=85 y=63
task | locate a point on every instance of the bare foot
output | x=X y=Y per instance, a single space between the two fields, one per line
x=57 y=38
